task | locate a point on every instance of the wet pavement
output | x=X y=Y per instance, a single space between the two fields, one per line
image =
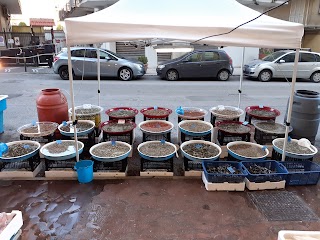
x=135 y=207
x=144 y=208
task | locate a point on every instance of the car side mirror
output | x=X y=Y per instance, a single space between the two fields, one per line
x=186 y=60
x=282 y=61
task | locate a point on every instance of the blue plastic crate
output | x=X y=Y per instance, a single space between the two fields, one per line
x=280 y=172
x=221 y=178
x=3 y=104
x=302 y=172
x=1 y=122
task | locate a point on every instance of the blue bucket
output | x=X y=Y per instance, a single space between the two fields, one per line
x=85 y=171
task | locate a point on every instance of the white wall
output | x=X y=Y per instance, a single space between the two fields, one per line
x=109 y=46
x=151 y=54
x=236 y=54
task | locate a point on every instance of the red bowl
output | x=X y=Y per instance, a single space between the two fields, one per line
x=169 y=111
x=268 y=109
x=133 y=125
x=218 y=124
x=136 y=111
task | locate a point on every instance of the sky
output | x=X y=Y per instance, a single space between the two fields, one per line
x=41 y=8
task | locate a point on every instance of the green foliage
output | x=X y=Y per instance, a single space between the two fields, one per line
x=266 y=51
x=143 y=59
x=59 y=27
x=22 y=24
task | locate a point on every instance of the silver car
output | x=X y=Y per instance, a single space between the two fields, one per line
x=84 y=61
x=280 y=65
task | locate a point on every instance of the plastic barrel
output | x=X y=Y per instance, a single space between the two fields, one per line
x=52 y=106
x=84 y=170
x=305 y=115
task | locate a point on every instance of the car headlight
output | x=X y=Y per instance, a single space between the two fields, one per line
x=160 y=66
x=139 y=65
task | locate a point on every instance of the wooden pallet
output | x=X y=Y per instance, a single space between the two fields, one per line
x=222 y=186
x=20 y=174
x=65 y=174
x=108 y=175
x=72 y=175
x=193 y=173
x=105 y=174
x=156 y=174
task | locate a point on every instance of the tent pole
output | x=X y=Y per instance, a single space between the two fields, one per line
x=72 y=101
x=294 y=78
x=99 y=77
x=241 y=76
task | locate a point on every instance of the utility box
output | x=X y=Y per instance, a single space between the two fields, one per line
x=3 y=106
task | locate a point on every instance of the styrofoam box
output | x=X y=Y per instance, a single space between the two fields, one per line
x=13 y=227
x=222 y=186
x=298 y=235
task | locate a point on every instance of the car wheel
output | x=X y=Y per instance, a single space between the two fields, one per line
x=125 y=74
x=223 y=75
x=64 y=73
x=315 y=77
x=172 y=75
x=265 y=75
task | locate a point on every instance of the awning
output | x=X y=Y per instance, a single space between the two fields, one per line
x=42 y=22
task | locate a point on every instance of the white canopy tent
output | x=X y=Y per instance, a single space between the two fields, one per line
x=133 y=20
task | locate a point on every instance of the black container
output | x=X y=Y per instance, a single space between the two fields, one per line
x=305 y=117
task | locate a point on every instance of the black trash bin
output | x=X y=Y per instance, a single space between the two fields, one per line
x=305 y=115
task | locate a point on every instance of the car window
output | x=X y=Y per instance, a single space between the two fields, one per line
x=211 y=56
x=273 y=56
x=79 y=53
x=317 y=57
x=289 y=58
x=91 y=53
x=196 y=57
x=114 y=54
x=105 y=55
x=307 y=57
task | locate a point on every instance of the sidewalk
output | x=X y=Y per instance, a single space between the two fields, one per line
x=171 y=209
x=47 y=70
x=151 y=72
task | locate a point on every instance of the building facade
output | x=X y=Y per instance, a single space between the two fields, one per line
x=306 y=12
x=7 y=7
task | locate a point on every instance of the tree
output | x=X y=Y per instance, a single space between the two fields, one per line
x=22 y=24
x=59 y=27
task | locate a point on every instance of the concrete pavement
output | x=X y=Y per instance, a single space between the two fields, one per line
x=147 y=208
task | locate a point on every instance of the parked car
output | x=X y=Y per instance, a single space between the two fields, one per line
x=84 y=61
x=197 y=64
x=280 y=65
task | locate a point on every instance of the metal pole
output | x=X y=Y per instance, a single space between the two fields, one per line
x=294 y=78
x=241 y=77
x=72 y=101
x=99 y=77
x=25 y=61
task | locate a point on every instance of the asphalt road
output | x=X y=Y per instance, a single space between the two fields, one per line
x=23 y=88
